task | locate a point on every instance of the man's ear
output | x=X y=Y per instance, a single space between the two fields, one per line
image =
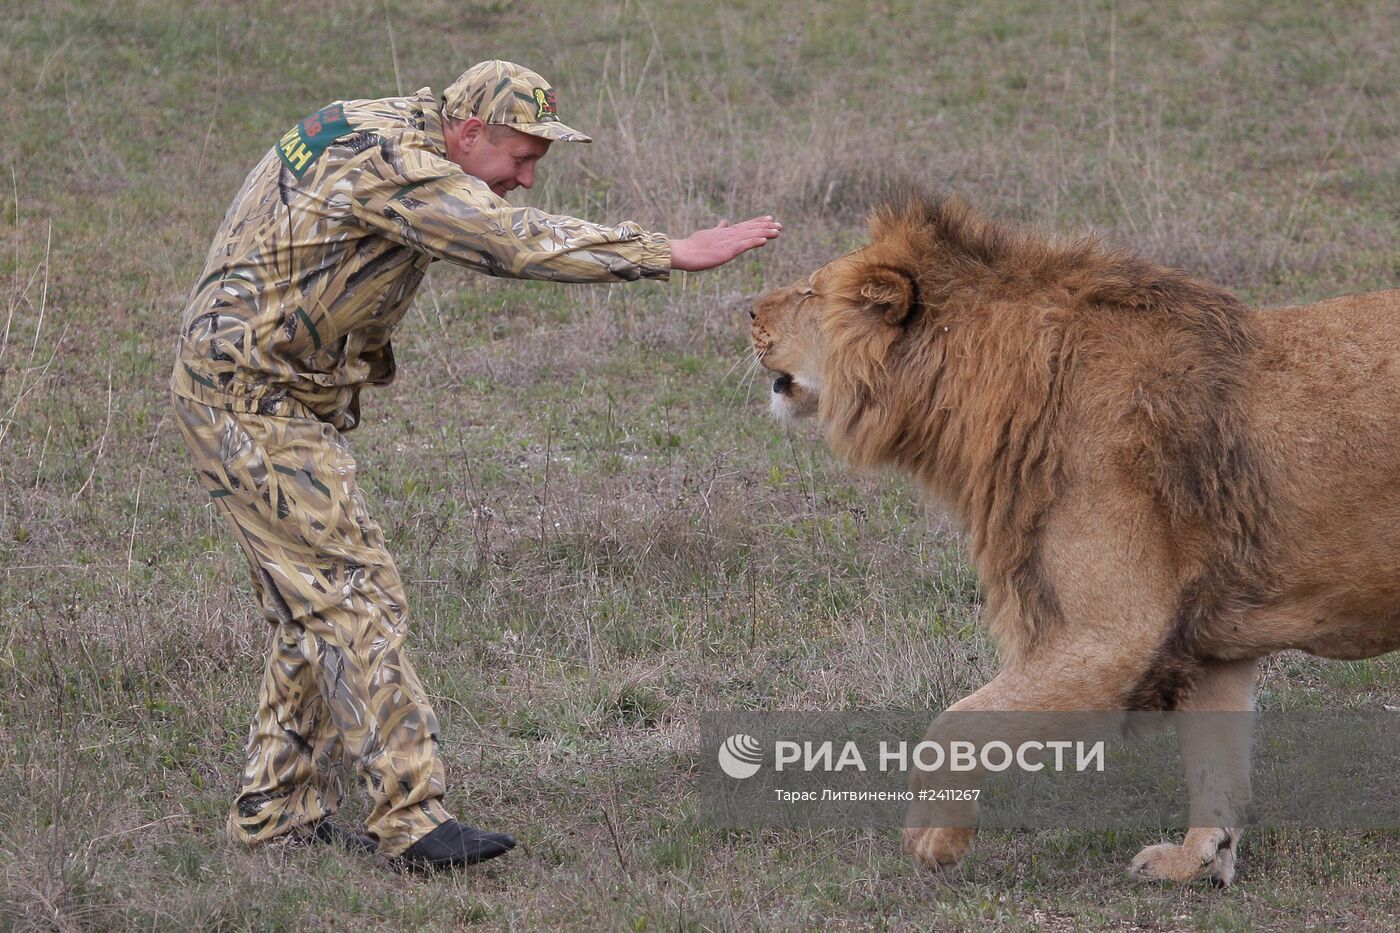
x=888 y=292
x=468 y=132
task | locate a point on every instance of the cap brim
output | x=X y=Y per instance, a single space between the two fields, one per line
x=559 y=132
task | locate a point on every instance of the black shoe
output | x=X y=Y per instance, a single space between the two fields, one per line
x=453 y=844
x=326 y=832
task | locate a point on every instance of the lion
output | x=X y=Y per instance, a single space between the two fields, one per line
x=1160 y=484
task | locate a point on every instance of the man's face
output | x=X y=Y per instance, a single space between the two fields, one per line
x=502 y=157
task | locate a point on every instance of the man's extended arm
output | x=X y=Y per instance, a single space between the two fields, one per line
x=454 y=217
x=430 y=205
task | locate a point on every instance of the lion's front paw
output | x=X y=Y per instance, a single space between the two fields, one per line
x=1204 y=854
x=939 y=848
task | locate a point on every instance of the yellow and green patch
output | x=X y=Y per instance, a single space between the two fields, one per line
x=303 y=144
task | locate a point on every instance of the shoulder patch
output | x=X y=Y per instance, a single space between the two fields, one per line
x=303 y=144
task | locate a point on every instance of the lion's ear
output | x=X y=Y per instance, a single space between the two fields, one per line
x=888 y=292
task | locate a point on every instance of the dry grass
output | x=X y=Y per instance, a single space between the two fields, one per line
x=602 y=534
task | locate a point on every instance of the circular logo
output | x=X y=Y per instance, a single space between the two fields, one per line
x=740 y=756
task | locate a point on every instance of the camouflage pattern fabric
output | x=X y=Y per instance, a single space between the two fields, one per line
x=325 y=245
x=313 y=267
x=337 y=683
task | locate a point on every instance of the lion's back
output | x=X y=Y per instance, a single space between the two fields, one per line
x=1328 y=374
x=1324 y=408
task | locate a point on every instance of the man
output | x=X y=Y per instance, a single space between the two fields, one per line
x=312 y=269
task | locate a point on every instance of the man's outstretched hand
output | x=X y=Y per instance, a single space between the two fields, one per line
x=705 y=249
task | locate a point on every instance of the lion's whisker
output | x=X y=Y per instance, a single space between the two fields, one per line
x=745 y=381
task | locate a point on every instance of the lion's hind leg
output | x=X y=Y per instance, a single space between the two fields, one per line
x=1215 y=751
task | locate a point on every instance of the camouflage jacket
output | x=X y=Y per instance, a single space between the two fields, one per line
x=326 y=243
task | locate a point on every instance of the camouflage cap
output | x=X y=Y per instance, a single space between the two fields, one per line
x=510 y=95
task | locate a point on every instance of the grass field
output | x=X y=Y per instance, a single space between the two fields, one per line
x=602 y=533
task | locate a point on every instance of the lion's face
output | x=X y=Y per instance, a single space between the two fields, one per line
x=851 y=301
x=787 y=342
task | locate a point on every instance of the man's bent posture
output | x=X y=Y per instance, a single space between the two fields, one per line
x=312 y=269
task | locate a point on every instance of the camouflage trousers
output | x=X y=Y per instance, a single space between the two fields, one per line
x=337 y=684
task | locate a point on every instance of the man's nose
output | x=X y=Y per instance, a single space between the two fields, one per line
x=526 y=178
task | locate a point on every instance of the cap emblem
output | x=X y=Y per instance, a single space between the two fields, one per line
x=545 y=108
